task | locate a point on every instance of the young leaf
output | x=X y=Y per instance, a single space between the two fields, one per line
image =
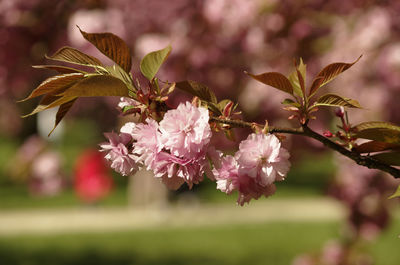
x=332 y=100
x=152 y=62
x=72 y=55
x=197 y=89
x=291 y=102
x=55 y=83
x=378 y=131
x=390 y=158
x=60 y=69
x=63 y=109
x=118 y=72
x=301 y=81
x=294 y=80
x=301 y=77
x=375 y=146
x=49 y=101
x=97 y=86
x=302 y=68
x=329 y=73
x=396 y=193
x=274 y=79
x=111 y=46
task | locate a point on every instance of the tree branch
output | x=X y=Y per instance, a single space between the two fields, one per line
x=361 y=160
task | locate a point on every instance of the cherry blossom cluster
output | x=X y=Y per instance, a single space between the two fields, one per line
x=253 y=170
x=177 y=149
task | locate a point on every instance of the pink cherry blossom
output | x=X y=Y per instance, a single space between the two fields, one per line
x=128 y=128
x=251 y=189
x=147 y=143
x=127 y=102
x=185 y=130
x=230 y=179
x=174 y=171
x=227 y=175
x=261 y=157
x=121 y=160
x=259 y=162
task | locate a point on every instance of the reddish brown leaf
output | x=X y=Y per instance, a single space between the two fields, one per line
x=55 y=83
x=274 y=79
x=62 y=111
x=60 y=69
x=328 y=74
x=72 y=55
x=112 y=46
x=390 y=158
x=375 y=146
x=49 y=101
x=333 y=100
x=197 y=89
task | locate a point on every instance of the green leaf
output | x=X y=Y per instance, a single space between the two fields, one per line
x=291 y=102
x=274 y=79
x=375 y=146
x=378 y=131
x=118 y=72
x=55 y=83
x=152 y=62
x=299 y=74
x=60 y=69
x=390 y=158
x=329 y=73
x=97 y=86
x=197 y=89
x=302 y=68
x=62 y=111
x=332 y=100
x=72 y=55
x=111 y=46
x=396 y=193
x=294 y=80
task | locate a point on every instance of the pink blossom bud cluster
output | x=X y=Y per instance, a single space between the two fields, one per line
x=174 y=149
x=177 y=150
x=253 y=170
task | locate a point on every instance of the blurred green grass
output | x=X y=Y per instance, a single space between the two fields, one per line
x=266 y=243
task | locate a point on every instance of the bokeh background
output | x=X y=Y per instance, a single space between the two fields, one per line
x=59 y=204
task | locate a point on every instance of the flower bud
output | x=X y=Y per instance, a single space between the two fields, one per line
x=328 y=134
x=339 y=112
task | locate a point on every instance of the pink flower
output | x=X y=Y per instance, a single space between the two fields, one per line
x=185 y=130
x=128 y=128
x=250 y=189
x=121 y=160
x=128 y=102
x=229 y=179
x=174 y=171
x=259 y=162
x=227 y=175
x=147 y=143
x=175 y=150
x=261 y=157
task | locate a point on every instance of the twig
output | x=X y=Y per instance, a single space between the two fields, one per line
x=361 y=160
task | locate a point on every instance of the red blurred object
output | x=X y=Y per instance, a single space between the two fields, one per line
x=93 y=181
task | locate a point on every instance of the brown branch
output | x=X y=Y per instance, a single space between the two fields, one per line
x=361 y=160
